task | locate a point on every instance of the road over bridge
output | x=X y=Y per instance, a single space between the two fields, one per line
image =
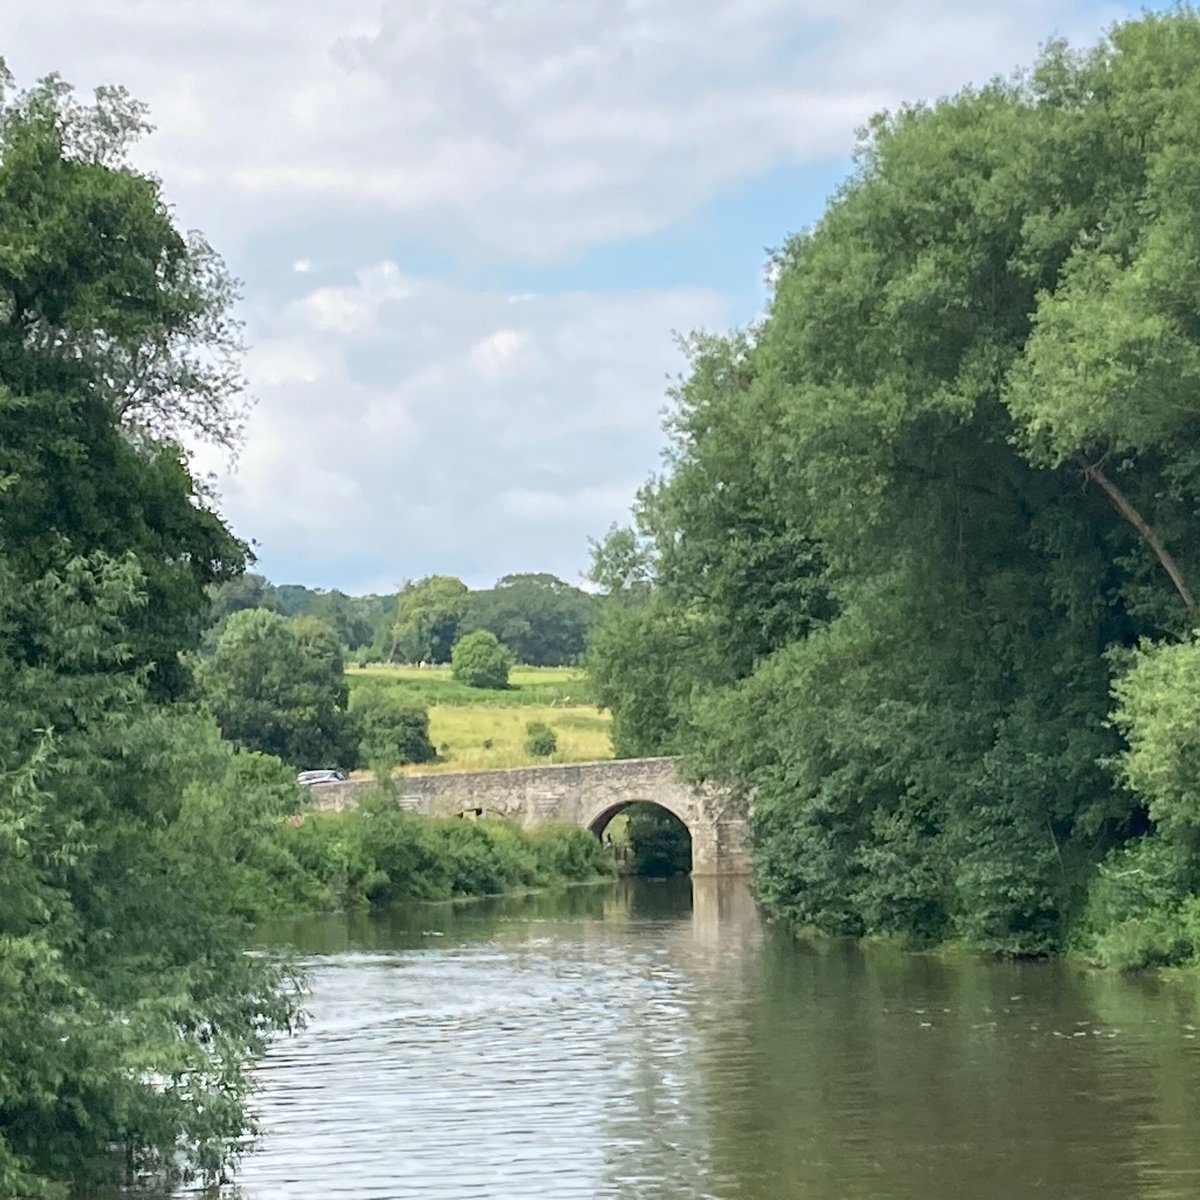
x=586 y=794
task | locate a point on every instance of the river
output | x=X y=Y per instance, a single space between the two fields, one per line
x=655 y=1040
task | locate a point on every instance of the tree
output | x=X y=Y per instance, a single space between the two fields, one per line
x=480 y=661
x=428 y=614
x=277 y=686
x=918 y=512
x=541 y=619
x=246 y=591
x=622 y=563
x=102 y=254
x=129 y=1012
x=644 y=661
x=115 y=337
x=390 y=731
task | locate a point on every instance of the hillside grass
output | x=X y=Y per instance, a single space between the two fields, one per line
x=476 y=729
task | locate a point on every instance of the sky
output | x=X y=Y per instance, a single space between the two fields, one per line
x=470 y=232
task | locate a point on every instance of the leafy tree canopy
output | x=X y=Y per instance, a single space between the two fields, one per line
x=906 y=518
x=479 y=660
x=278 y=686
x=428 y=615
x=541 y=619
x=128 y=1010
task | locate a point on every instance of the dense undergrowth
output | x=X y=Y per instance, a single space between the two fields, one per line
x=378 y=853
x=290 y=858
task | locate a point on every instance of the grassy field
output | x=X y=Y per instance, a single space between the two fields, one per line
x=433 y=685
x=476 y=729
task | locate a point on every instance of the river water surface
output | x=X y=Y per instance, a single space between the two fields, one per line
x=655 y=1040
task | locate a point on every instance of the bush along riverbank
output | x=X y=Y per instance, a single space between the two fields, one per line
x=300 y=860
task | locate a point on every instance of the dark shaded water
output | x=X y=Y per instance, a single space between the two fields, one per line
x=623 y=1041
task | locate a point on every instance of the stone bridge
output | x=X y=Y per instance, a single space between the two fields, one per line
x=586 y=794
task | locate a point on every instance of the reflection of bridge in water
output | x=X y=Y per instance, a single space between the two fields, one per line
x=585 y=794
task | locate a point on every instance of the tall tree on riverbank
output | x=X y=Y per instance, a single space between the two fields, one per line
x=127 y=1007
x=278 y=686
x=919 y=508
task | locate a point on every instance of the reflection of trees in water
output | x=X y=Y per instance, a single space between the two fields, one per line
x=871 y=1072
x=1156 y=1023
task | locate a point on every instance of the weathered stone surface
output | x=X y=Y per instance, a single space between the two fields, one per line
x=586 y=794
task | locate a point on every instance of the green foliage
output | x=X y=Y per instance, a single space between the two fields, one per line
x=113 y=898
x=129 y=1012
x=646 y=659
x=1144 y=905
x=246 y=591
x=542 y=740
x=622 y=564
x=391 y=732
x=115 y=335
x=278 y=686
x=909 y=516
x=541 y=619
x=1158 y=710
x=378 y=853
x=478 y=660
x=428 y=616
x=659 y=843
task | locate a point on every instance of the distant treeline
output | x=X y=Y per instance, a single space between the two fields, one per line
x=542 y=620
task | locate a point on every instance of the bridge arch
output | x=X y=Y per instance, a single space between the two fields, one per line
x=597 y=817
x=597 y=822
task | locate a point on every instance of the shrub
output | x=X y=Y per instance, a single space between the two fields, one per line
x=1142 y=909
x=542 y=740
x=378 y=853
x=391 y=732
x=480 y=660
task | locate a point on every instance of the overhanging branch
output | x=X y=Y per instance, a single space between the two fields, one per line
x=1121 y=503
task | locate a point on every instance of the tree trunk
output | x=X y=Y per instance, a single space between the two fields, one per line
x=1122 y=504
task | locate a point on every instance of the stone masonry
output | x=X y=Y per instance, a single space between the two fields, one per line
x=585 y=794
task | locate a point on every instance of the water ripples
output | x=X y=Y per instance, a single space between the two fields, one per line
x=628 y=1044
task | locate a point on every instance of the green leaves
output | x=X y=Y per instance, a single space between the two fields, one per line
x=907 y=514
x=277 y=686
x=480 y=660
x=428 y=615
x=128 y=1010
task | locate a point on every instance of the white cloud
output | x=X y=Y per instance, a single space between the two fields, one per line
x=434 y=432
x=533 y=127
x=410 y=423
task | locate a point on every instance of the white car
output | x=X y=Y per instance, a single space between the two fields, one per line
x=308 y=778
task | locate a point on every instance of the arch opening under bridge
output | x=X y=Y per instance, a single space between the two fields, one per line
x=656 y=841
